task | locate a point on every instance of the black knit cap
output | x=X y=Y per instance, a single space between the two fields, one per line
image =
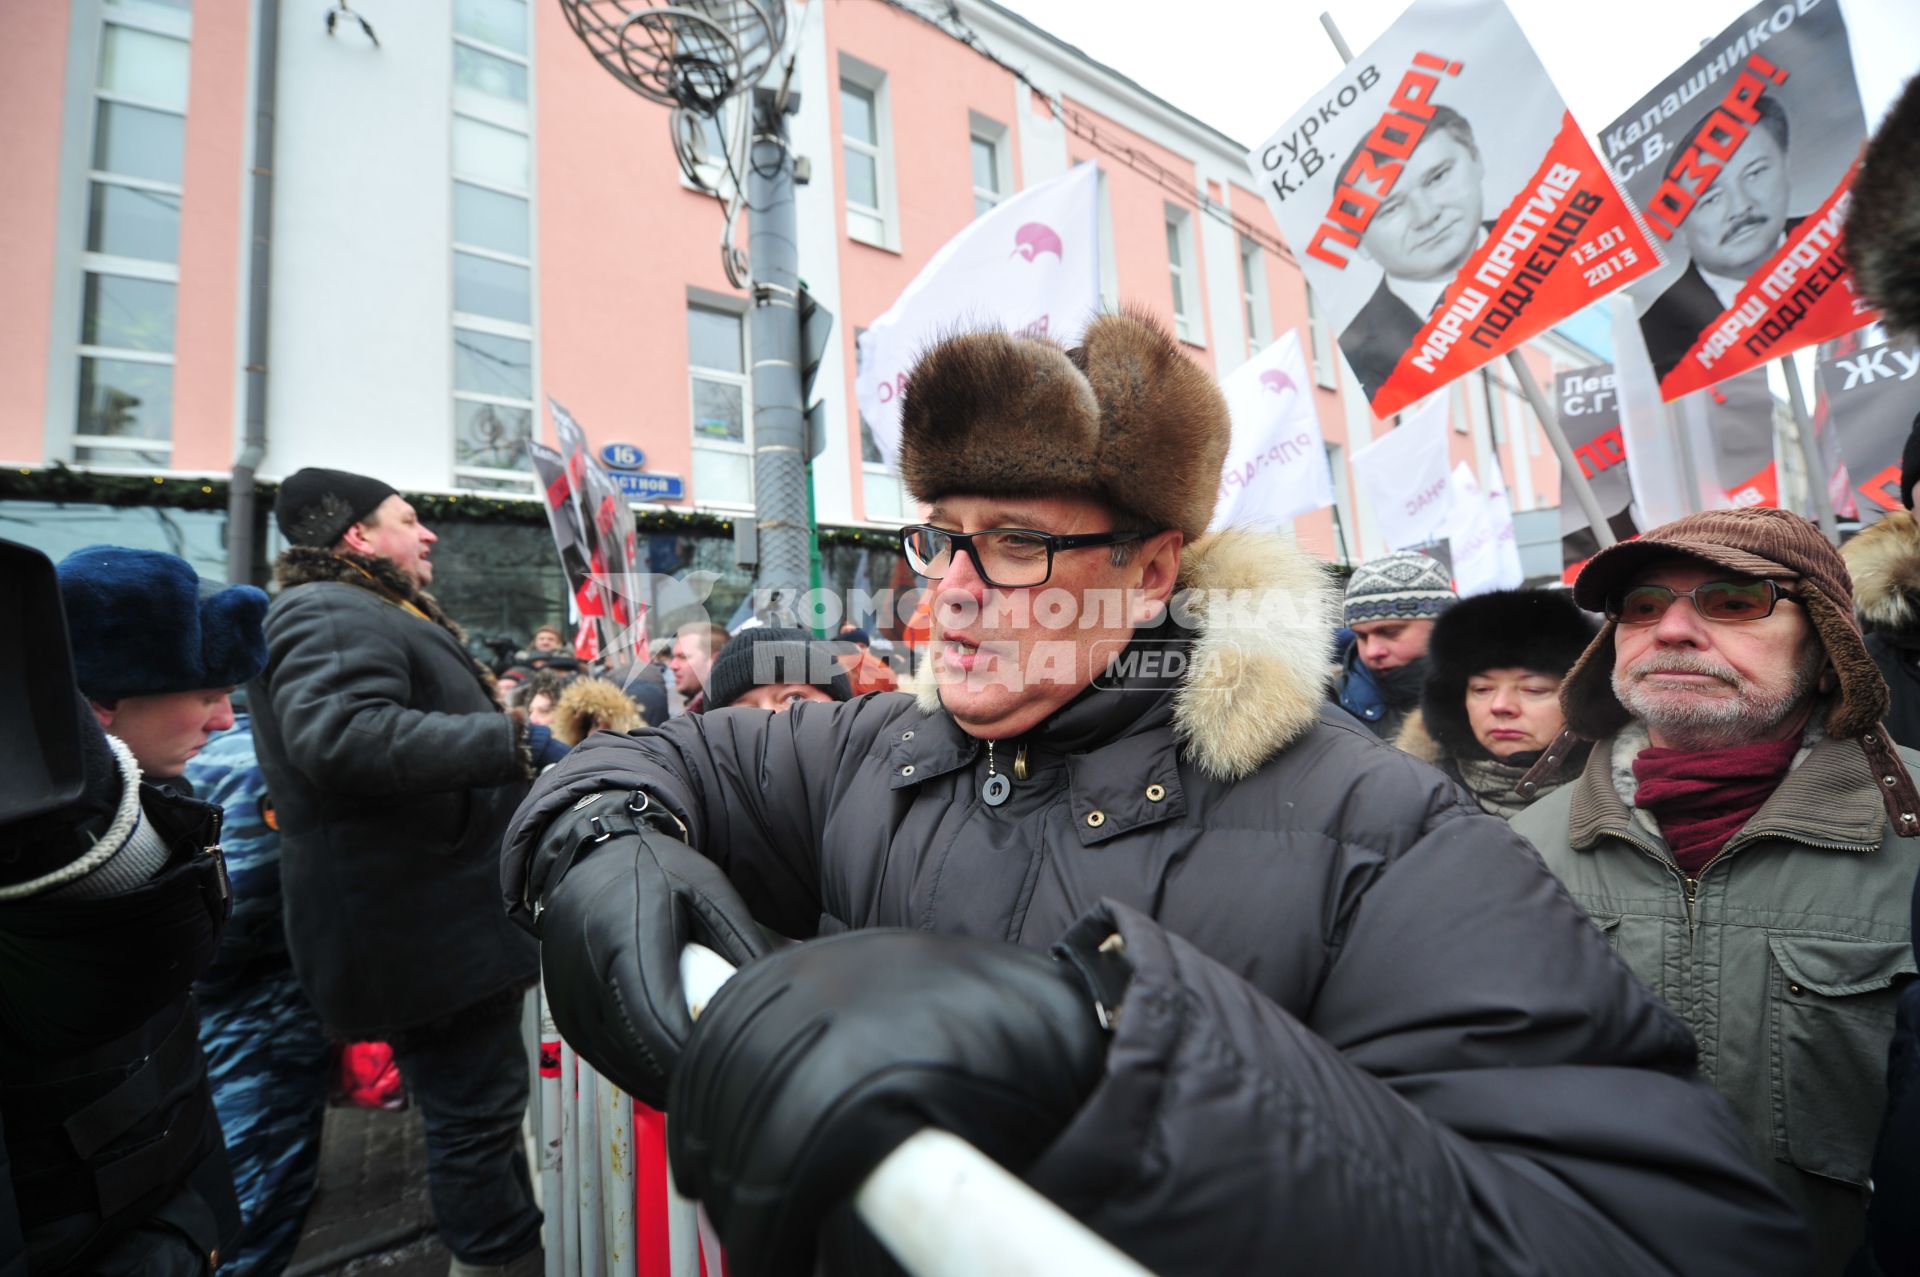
x=316 y=506
x=766 y=654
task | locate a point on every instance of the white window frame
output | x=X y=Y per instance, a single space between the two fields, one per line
x=873 y=81
x=516 y=117
x=1184 y=276
x=171 y=24
x=1320 y=343
x=742 y=379
x=875 y=477
x=993 y=134
x=1254 y=305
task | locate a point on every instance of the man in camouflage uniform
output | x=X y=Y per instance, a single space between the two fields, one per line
x=266 y=1052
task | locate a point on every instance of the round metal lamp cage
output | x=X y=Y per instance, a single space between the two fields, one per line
x=694 y=54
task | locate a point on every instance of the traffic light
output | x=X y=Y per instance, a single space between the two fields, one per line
x=816 y=331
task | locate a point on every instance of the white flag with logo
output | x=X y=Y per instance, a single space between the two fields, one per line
x=1404 y=474
x=1480 y=535
x=1276 y=465
x=1030 y=264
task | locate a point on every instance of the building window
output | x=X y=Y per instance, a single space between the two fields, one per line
x=494 y=380
x=1319 y=344
x=1253 y=297
x=722 y=406
x=130 y=264
x=866 y=152
x=1183 y=268
x=987 y=144
x=886 y=499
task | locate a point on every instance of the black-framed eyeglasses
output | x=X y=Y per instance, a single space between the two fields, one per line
x=1715 y=600
x=1006 y=558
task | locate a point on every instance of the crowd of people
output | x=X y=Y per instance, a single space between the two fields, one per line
x=1384 y=931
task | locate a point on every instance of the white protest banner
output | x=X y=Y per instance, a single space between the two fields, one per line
x=1506 y=539
x=1276 y=466
x=1743 y=161
x=1031 y=264
x=1443 y=203
x=1404 y=474
x=1480 y=537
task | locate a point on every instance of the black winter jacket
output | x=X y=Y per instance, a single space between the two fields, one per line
x=1368 y=1031
x=393 y=773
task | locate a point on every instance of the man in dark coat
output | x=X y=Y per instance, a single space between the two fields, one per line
x=1311 y=1010
x=393 y=772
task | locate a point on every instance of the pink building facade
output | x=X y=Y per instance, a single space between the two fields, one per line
x=472 y=217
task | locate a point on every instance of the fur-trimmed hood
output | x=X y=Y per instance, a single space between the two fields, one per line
x=1263 y=615
x=593 y=704
x=1414 y=738
x=1884 y=562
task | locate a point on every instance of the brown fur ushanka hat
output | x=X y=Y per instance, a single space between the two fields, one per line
x=1124 y=417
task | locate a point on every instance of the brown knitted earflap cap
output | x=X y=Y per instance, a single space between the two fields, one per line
x=1125 y=417
x=1756 y=542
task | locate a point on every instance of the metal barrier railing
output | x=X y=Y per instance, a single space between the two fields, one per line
x=610 y=1203
x=612 y=1210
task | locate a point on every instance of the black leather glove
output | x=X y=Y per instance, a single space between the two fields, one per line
x=618 y=900
x=809 y=1067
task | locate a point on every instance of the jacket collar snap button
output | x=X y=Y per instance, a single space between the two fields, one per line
x=1156 y=792
x=1095 y=819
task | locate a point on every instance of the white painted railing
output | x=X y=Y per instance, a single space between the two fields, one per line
x=941 y=1206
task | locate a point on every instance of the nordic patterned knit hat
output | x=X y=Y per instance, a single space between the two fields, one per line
x=1399 y=587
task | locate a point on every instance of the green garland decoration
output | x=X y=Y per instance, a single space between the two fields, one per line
x=62 y=484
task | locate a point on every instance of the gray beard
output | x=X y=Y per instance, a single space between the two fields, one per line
x=1686 y=721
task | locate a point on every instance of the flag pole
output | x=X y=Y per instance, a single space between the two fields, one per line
x=1574 y=476
x=1810 y=452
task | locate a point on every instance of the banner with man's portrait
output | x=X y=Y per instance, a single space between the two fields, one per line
x=1741 y=163
x=1443 y=203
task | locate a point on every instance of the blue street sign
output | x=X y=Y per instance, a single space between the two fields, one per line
x=651 y=487
x=623 y=456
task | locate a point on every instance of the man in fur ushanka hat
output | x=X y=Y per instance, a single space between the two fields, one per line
x=1121 y=900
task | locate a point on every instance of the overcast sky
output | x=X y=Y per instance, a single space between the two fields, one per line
x=1244 y=66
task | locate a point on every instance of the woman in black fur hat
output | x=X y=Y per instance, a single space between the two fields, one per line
x=1491 y=703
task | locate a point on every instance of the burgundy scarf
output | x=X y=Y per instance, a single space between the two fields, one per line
x=1704 y=797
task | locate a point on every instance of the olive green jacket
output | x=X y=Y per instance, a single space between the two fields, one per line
x=1784 y=955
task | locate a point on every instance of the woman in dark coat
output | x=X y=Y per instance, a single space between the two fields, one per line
x=1491 y=704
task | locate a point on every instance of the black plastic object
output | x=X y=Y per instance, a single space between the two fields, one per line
x=40 y=763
